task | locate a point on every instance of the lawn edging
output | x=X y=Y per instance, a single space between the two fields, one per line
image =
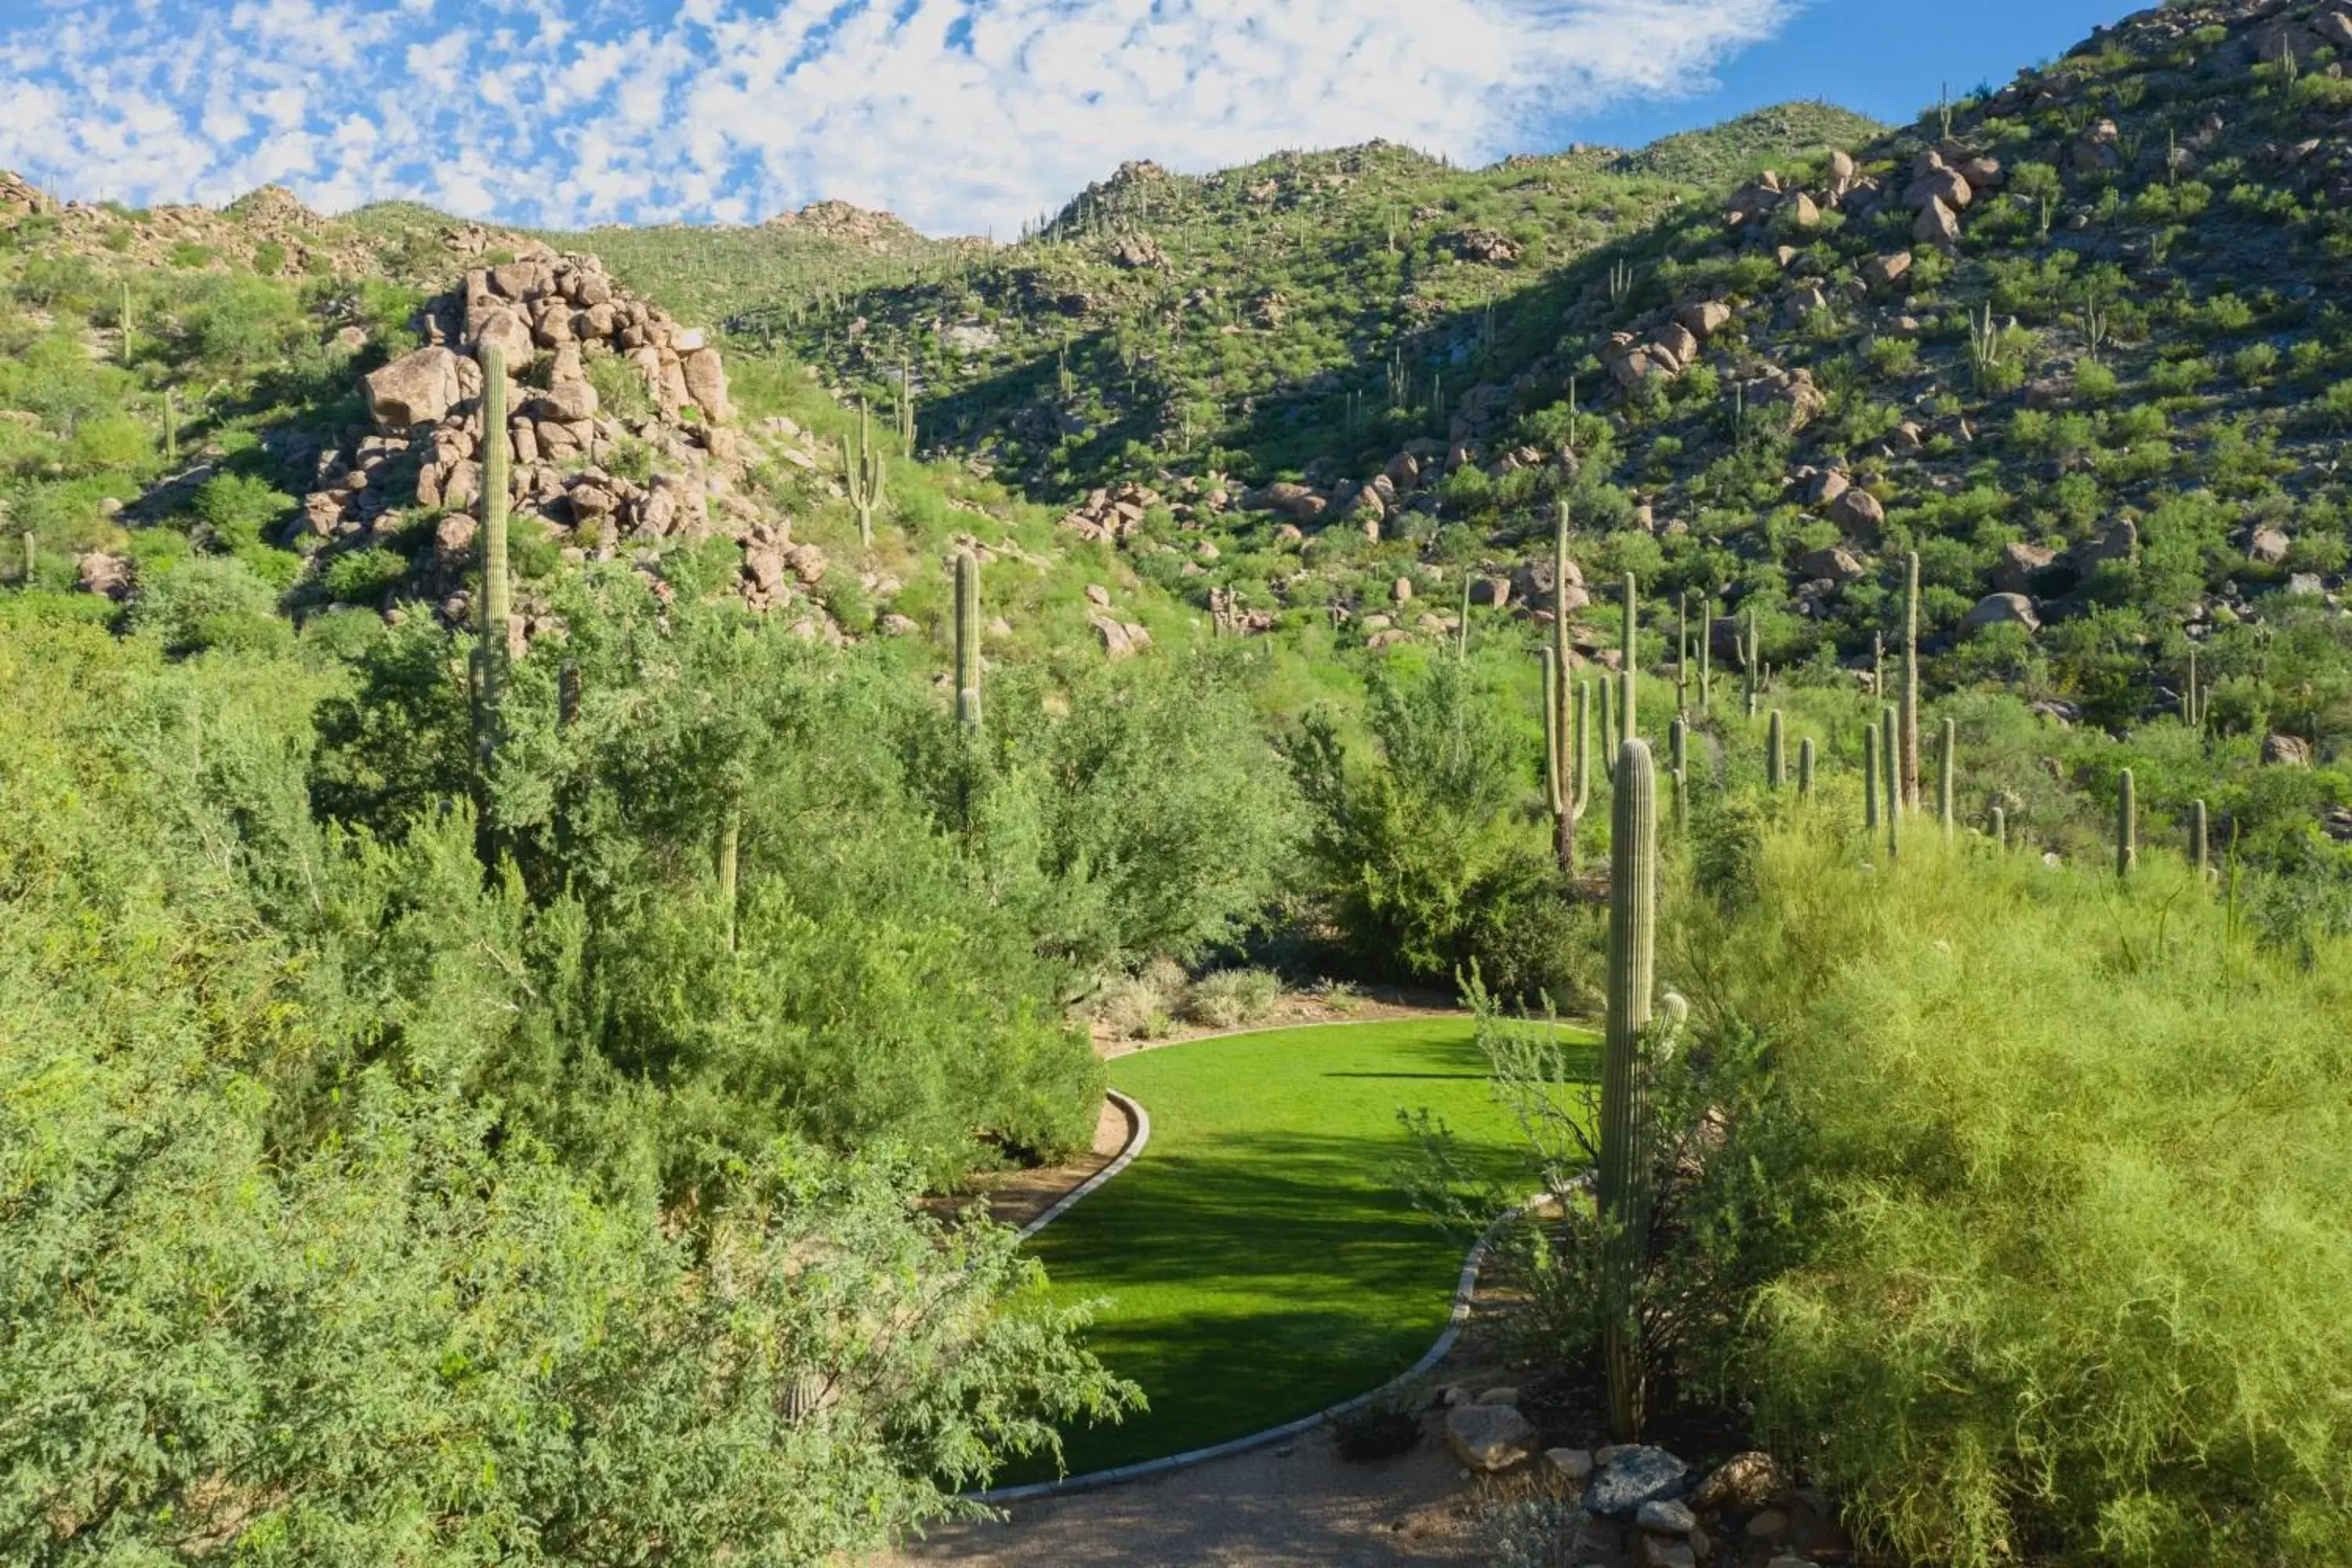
x=1138 y=1122
x=1464 y=1290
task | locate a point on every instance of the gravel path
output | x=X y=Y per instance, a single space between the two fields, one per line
x=1299 y=1504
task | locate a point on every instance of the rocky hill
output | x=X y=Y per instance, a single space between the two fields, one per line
x=2075 y=341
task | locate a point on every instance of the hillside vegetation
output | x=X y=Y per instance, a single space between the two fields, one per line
x=564 y=796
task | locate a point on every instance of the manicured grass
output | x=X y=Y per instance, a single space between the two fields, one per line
x=1261 y=1261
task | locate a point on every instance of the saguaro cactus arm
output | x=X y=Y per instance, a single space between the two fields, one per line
x=967 y=639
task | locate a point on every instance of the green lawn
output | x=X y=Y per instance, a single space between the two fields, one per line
x=1259 y=1259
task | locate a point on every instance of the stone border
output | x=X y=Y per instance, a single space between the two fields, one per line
x=1138 y=1122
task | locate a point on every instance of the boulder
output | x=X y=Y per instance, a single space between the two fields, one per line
x=1885 y=271
x=2268 y=547
x=706 y=385
x=1949 y=186
x=1936 y=225
x=1666 y=1516
x=565 y=402
x=1494 y=592
x=2020 y=566
x=100 y=572
x=1857 y=511
x=2004 y=609
x=1743 y=1481
x=1631 y=1475
x=2306 y=585
x=1798 y=212
x=2286 y=751
x=1489 y=1437
x=1570 y=1464
x=1402 y=590
x=1678 y=341
x=418 y=388
x=2119 y=543
x=504 y=328
x=1703 y=317
x=1835 y=562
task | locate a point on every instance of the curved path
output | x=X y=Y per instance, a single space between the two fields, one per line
x=1263 y=1255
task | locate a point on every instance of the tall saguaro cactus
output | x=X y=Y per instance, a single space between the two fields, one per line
x=1805 y=767
x=1999 y=828
x=1678 y=760
x=498 y=592
x=1890 y=746
x=1567 y=758
x=1870 y=766
x=1911 y=680
x=1945 y=777
x=1628 y=659
x=1628 y=1164
x=967 y=640
x=2199 y=840
x=2194 y=696
x=1776 y=763
x=1707 y=653
x=862 y=473
x=2126 y=824
x=1751 y=658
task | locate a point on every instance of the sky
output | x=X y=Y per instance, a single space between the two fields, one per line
x=962 y=116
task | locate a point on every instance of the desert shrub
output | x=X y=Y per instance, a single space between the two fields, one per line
x=206 y=602
x=2064 y=1291
x=276 y=1273
x=1142 y=1006
x=1418 y=853
x=1379 y=1429
x=1230 y=997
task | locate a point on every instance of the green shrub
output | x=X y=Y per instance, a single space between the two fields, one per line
x=365 y=576
x=2064 y=1293
x=1232 y=997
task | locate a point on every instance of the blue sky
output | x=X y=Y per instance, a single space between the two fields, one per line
x=964 y=116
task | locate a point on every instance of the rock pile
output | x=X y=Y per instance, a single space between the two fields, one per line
x=563 y=324
x=19 y=196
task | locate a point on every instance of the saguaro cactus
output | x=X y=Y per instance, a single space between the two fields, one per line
x=1890 y=746
x=731 y=858
x=2194 y=696
x=2197 y=837
x=1944 y=777
x=2126 y=824
x=32 y=563
x=1608 y=728
x=1805 y=767
x=1911 y=680
x=496 y=601
x=863 y=472
x=1628 y=1164
x=1705 y=653
x=1870 y=765
x=1999 y=828
x=1751 y=644
x=1628 y=657
x=1776 y=765
x=1567 y=758
x=967 y=640
x=1678 y=760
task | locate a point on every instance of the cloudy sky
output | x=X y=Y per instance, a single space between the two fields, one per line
x=962 y=116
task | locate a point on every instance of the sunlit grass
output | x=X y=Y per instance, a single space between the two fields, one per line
x=1262 y=1259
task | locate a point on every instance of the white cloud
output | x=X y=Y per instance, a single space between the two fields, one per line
x=958 y=114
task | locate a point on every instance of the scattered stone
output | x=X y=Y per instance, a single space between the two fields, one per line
x=2004 y=609
x=2268 y=547
x=2021 y=566
x=1666 y=1516
x=1489 y=1437
x=1770 y=1525
x=1570 y=1464
x=1835 y=562
x=1857 y=511
x=1743 y=1481
x=1631 y=1476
